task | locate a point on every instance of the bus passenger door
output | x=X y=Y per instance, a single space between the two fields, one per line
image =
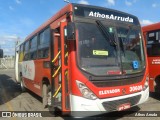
x=60 y=82
x=64 y=69
x=56 y=67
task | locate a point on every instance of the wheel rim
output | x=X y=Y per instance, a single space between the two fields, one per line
x=49 y=98
x=22 y=85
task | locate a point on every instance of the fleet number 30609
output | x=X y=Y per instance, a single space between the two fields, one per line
x=135 y=88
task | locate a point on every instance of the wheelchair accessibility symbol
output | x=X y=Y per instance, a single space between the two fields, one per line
x=135 y=64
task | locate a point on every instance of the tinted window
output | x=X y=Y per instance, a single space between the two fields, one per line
x=43 y=46
x=21 y=55
x=33 y=48
x=104 y=48
x=96 y=55
x=33 y=43
x=26 y=50
x=44 y=38
x=131 y=49
x=153 y=43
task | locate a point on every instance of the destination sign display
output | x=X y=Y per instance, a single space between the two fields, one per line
x=104 y=14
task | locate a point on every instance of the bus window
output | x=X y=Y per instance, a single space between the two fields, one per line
x=26 y=50
x=21 y=55
x=43 y=46
x=98 y=52
x=130 y=44
x=33 y=48
x=153 y=43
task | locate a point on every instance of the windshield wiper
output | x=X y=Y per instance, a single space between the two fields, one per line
x=122 y=45
x=106 y=33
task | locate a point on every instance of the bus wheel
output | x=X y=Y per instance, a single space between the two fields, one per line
x=46 y=96
x=22 y=85
x=157 y=86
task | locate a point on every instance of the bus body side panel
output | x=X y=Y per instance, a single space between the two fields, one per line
x=31 y=86
x=153 y=71
x=38 y=72
x=28 y=74
x=153 y=68
x=41 y=73
x=151 y=75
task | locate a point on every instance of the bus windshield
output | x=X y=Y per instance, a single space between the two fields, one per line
x=109 y=49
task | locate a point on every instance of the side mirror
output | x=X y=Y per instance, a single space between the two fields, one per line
x=70 y=30
x=1 y=53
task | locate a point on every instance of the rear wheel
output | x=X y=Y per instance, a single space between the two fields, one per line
x=46 y=99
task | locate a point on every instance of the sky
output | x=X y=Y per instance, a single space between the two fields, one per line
x=19 y=18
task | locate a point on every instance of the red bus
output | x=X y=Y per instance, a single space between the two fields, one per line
x=152 y=37
x=86 y=58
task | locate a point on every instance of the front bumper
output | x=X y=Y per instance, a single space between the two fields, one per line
x=82 y=107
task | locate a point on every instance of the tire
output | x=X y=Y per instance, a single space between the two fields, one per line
x=46 y=99
x=23 y=88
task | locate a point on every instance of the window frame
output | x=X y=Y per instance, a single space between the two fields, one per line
x=155 y=31
x=153 y=52
x=21 y=51
x=34 y=49
x=26 y=52
x=40 y=47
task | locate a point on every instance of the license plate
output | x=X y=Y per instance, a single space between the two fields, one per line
x=123 y=106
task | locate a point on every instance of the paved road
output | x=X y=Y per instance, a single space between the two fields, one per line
x=12 y=99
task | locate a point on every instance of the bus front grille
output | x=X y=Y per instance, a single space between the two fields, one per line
x=113 y=105
x=119 y=82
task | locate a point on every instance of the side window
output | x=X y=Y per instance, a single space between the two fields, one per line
x=21 y=55
x=153 y=37
x=43 y=45
x=33 y=48
x=153 y=43
x=26 y=50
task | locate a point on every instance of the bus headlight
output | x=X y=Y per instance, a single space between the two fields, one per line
x=146 y=83
x=85 y=91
